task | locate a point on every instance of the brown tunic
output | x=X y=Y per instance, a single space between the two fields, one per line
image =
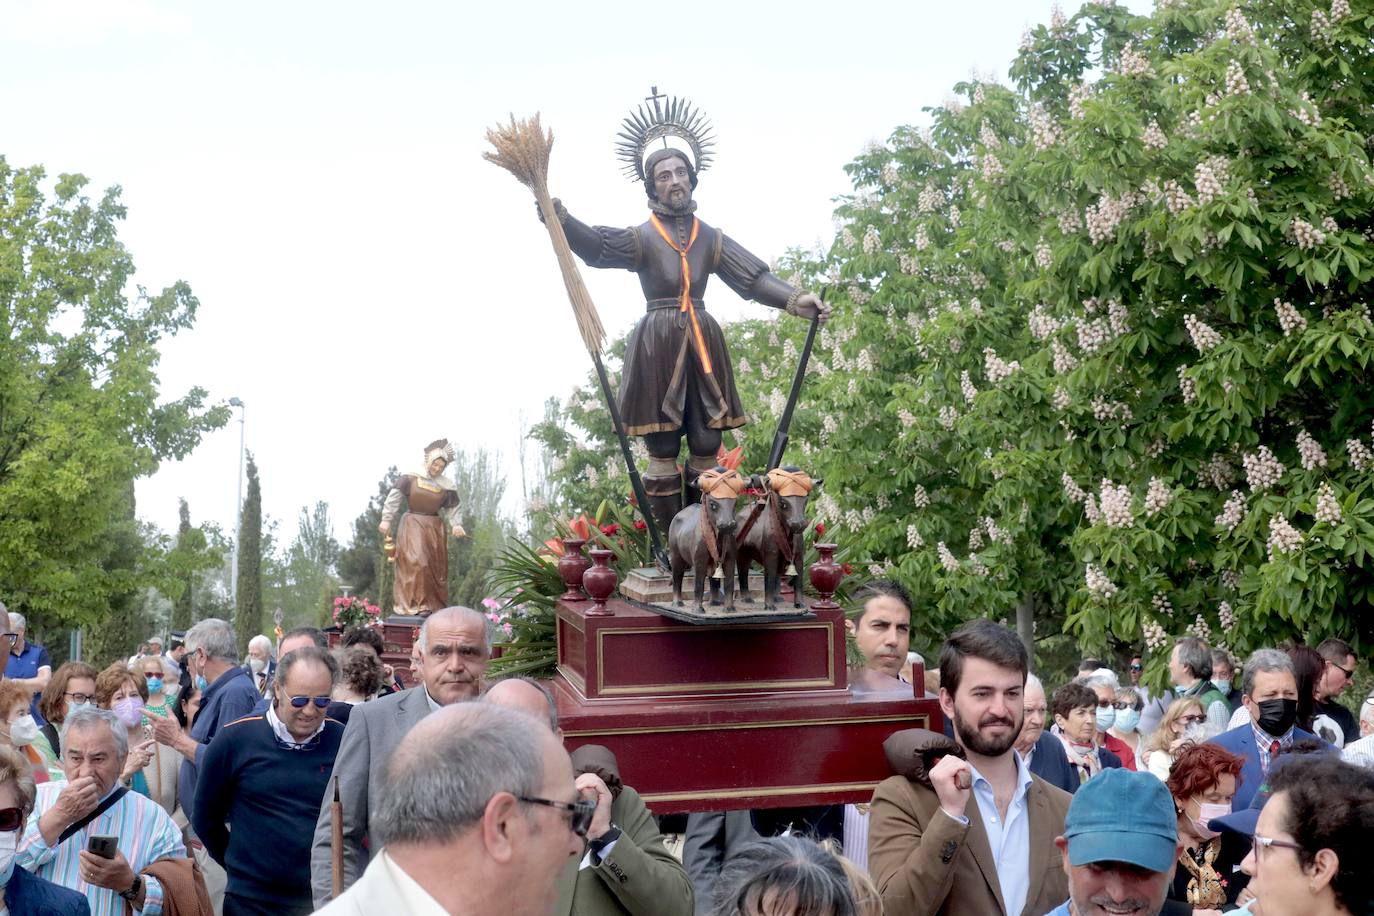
x=663 y=366
x=422 y=547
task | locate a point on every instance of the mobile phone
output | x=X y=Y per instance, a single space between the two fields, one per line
x=104 y=846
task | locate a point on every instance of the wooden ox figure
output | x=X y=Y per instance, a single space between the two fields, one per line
x=702 y=537
x=771 y=533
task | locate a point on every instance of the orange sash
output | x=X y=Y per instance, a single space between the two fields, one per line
x=687 y=307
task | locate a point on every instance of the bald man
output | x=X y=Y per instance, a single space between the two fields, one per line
x=454 y=650
x=625 y=870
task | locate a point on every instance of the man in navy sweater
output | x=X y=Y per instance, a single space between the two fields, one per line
x=260 y=786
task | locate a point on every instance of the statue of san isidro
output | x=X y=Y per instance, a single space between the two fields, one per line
x=677 y=376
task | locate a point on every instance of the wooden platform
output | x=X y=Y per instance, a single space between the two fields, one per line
x=734 y=715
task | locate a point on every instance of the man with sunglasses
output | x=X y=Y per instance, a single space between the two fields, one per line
x=476 y=813
x=257 y=796
x=454 y=650
x=1338 y=673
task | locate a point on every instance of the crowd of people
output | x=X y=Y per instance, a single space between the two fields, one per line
x=302 y=778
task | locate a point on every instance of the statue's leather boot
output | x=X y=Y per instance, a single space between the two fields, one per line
x=665 y=501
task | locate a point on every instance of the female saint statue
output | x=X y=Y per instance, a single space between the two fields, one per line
x=421 y=546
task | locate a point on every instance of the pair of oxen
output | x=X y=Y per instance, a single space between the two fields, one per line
x=715 y=534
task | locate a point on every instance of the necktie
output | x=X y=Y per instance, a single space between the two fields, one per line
x=1273 y=751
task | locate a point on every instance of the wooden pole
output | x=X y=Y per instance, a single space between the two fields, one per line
x=336 y=845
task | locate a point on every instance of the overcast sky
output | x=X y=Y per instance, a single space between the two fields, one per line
x=367 y=282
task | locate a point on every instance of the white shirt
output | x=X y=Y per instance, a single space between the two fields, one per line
x=385 y=888
x=856 y=836
x=1010 y=840
x=1360 y=752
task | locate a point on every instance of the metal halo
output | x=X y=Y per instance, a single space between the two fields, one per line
x=677 y=119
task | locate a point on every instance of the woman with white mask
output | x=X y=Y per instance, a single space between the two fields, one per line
x=1203 y=782
x=23 y=893
x=18 y=728
x=1184 y=724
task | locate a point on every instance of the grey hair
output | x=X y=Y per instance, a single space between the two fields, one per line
x=216 y=637
x=263 y=641
x=307 y=654
x=1367 y=710
x=1102 y=677
x=544 y=691
x=1033 y=682
x=1194 y=655
x=1264 y=660
x=439 y=780
x=16 y=619
x=1129 y=695
x=794 y=869
x=84 y=717
x=1222 y=657
x=464 y=615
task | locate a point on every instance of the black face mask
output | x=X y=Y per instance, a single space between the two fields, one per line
x=1278 y=716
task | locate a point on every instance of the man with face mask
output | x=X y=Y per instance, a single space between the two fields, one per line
x=261 y=666
x=1224 y=678
x=1270 y=694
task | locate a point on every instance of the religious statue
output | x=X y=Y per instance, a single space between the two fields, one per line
x=421 y=544
x=678 y=379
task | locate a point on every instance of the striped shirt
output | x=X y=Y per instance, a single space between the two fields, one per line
x=1263 y=742
x=145 y=833
x=1360 y=753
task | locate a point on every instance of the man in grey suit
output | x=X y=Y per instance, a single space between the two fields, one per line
x=454 y=651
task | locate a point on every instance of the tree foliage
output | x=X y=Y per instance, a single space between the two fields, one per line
x=248 y=621
x=80 y=410
x=1109 y=335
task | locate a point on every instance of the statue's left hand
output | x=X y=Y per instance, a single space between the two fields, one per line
x=809 y=305
x=459 y=531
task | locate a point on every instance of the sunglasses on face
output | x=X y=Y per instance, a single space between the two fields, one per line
x=1137 y=668
x=10 y=819
x=1348 y=672
x=579 y=813
x=320 y=702
x=1128 y=705
x=1189 y=720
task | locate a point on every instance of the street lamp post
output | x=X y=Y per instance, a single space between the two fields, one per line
x=238 y=512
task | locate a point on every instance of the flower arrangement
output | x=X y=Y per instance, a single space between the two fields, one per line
x=352 y=611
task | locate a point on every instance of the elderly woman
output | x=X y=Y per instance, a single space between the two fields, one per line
x=1103 y=683
x=18 y=730
x=147 y=769
x=160 y=677
x=72 y=685
x=1203 y=782
x=1129 y=704
x=1075 y=722
x=784 y=874
x=1309 y=853
x=1183 y=723
x=23 y=893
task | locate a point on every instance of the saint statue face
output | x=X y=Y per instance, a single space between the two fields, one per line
x=673 y=183
x=436 y=467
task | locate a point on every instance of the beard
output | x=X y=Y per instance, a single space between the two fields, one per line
x=973 y=739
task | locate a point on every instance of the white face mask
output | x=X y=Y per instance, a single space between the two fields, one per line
x=1206 y=813
x=9 y=842
x=23 y=731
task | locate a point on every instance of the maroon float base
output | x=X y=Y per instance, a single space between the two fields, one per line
x=709 y=718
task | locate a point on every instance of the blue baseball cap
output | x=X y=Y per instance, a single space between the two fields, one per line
x=1121 y=816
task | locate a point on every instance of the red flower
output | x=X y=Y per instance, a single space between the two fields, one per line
x=820 y=527
x=641 y=525
x=610 y=529
x=847 y=569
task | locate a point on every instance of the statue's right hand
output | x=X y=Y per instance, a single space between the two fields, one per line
x=384 y=527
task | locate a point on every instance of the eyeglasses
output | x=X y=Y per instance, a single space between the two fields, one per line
x=1189 y=720
x=1268 y=842
x=1348 y=672
x=80 y=697
x=1103 y=704
x=1137 y=668
x=1127 y=704
x=10 y=819
x=579 y=813
x=12 y=637
x=320 y=702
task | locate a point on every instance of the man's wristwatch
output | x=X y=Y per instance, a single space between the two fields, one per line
x=134 y=889
x=610 y=836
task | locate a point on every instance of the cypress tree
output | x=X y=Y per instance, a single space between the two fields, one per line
x=182 y=609
x=248 y=606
